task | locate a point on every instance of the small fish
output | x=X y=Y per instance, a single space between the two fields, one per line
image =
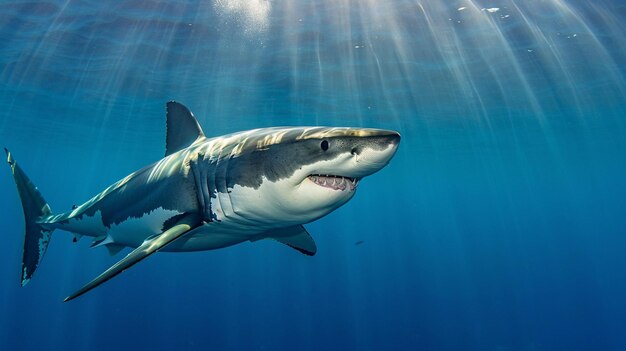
x=359 y=242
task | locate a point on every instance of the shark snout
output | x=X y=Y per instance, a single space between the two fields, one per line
x=388 y=137
x=394 y=138
x=375 y=151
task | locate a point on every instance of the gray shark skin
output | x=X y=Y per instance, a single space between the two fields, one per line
x=210 y=193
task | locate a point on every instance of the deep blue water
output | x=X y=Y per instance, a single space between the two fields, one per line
x=499 y=225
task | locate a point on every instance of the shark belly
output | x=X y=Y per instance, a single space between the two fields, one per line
x=131 y=232
x=211 y=236
x=232 y=224
x=134 y=231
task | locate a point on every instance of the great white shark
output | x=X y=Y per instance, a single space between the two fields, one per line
x=211 y=193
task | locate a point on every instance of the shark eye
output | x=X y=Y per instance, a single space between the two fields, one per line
x=324 y=145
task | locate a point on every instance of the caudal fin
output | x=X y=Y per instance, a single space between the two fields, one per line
x=36 y=237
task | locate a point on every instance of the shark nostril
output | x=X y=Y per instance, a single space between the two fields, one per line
x=354 y=151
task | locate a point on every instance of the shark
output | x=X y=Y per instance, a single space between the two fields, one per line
x=208 y=193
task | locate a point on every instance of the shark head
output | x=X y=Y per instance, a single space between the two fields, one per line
x=281 y=176
x=302 y=174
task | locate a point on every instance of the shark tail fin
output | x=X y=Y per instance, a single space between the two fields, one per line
x=36 y=237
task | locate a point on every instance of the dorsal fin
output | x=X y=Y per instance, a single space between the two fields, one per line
x=182 y=128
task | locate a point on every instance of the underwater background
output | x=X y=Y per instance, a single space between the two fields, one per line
x=499 y=225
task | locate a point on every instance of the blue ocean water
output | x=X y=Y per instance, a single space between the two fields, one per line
x=499 y=225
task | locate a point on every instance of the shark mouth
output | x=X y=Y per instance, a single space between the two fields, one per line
x=334 y=182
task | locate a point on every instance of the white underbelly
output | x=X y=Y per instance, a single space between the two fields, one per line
x=134 y=231
x=211 y=236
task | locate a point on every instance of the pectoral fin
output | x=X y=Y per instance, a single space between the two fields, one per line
x=297 y=237
x=146 y=249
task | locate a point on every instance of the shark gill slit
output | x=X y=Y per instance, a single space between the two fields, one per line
x=231 y=205
x=207 y=211
x=216 y=175
x=220 y=182
x=194 y=165
x=212 y=189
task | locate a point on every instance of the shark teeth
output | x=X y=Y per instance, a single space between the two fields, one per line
x=334 y=182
